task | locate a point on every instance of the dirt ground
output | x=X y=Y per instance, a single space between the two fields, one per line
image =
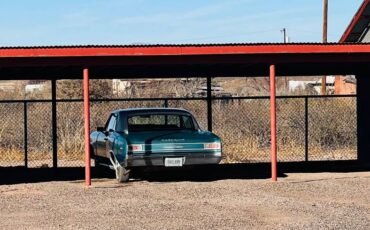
x=337 y=200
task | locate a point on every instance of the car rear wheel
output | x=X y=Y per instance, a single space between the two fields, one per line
x=122 y=174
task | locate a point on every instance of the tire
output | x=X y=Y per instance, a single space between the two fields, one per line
x=97 y=164
x=99 y=169
x=122 y=174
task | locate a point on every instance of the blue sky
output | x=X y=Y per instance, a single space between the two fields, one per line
x=77 y=22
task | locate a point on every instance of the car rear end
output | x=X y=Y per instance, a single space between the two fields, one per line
x=168 y=137
x=175 y=154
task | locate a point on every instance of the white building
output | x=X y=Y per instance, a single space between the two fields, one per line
x=314 y=83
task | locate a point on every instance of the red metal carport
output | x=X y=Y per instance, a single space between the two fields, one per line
x=18 y=63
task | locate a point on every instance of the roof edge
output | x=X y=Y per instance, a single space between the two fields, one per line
x=171 y=45
x=354 y=21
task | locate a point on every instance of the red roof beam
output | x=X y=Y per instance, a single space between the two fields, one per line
x=185 y=50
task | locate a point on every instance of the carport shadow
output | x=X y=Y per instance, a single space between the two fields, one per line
x=16 y=175
x=204 y=173
x=246 y=171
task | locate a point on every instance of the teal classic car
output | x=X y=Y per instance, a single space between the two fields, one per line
x=152 y=137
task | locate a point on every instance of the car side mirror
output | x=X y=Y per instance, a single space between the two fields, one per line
x=100 y=129
x=106 y=132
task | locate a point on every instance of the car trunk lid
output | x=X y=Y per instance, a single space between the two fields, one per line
x=170 y=141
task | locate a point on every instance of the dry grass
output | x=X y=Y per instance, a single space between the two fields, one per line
x=11 y=155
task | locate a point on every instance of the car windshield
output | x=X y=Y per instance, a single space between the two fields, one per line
x=151 y=122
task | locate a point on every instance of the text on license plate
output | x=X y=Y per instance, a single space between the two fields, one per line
x=173 y=162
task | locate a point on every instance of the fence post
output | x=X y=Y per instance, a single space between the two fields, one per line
x=86 y=97
x=273 y=123
x=306 y=128
x=209 y=103
x=25 y=134
x=54 y=123
x=165 y=103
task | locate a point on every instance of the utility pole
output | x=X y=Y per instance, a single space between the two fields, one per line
x=324 y=40
x=284 y=33
x=325 y=25
x=286 y=84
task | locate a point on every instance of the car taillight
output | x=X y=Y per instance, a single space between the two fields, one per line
x=212 y=146
x=136 y=148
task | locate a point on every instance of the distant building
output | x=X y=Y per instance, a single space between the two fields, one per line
x=345 y=85
x=121 y=87
x=311 y=83
x=35 y=86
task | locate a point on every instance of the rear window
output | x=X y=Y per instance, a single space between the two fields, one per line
x=159 y=122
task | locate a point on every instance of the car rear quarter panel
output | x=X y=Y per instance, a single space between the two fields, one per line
x=93 y=140
x=120 y=147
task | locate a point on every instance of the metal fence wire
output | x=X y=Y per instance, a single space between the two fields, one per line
x=309 y=128
x=39 y=135
x=12 y=136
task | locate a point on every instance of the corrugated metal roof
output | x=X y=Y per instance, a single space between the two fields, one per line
x=176 y=45
x=181 y=50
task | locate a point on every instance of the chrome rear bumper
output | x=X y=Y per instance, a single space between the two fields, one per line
x=158 y=159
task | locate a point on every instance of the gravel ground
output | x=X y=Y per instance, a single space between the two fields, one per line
x=297 y=201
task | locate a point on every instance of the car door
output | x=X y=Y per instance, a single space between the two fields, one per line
x=110 y=134
x=103 y=137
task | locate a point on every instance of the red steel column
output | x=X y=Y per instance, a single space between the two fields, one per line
x=87 y=126
x=273 y=123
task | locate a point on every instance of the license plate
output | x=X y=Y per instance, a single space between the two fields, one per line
x=173 y=162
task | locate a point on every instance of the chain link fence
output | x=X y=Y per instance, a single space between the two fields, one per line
x=332 y=128
x=12 y=139
x=308 y=128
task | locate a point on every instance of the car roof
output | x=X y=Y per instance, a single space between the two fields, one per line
x=151 y=110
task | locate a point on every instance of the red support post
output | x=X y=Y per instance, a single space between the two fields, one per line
x=273 y=123
x=87 y=126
